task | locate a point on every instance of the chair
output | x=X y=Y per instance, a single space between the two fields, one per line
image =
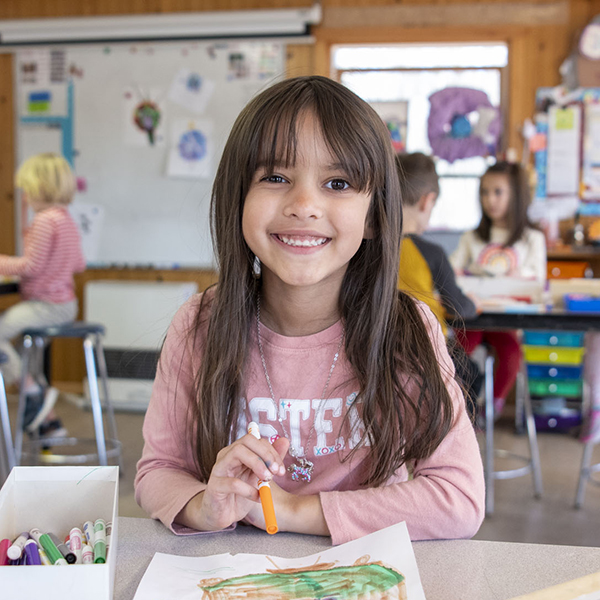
x=532 y=462
x=7 y=455
x=34 y=344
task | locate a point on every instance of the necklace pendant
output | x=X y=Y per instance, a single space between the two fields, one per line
x=301 y=470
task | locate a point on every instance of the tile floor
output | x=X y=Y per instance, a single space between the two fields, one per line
x=518 y=516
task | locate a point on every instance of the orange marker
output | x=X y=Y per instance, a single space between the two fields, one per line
x=264 y=490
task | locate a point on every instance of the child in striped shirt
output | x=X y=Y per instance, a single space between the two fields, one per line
x=52 y=254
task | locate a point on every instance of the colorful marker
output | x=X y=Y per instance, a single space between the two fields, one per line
x=4 y=546
x=15 y=551
x=35 y=534
x=76 y=543
x=88 y=530
x=44 y=558
x=264 y=490
x=87 y=555
x=108 y=535
x=32 y=553
x=62 y=548
x=99 y=541
x=52 y=552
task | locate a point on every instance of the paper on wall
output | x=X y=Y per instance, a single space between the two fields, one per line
x=143 y=116
x=191 y=148
x=382 y=562
x=190 y=90
x=89 y=219
x=564 y=137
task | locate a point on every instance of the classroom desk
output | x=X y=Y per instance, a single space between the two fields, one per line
x=557 y=319
x=454 y=569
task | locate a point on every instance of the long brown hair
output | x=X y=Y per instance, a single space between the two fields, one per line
x=386 y=338
x=520 y=198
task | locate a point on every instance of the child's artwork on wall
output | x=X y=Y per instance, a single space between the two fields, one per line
x=395 y=117
x=190 y=90
x=191 y=148
x=144 y=117
x=379 y=565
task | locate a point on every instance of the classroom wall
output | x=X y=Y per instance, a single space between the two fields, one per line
x=539 y=33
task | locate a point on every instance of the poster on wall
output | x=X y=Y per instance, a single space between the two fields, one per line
x=144 y=116
x=191 y=149
x=395 y=117
x=191 y=91
x=564 y=141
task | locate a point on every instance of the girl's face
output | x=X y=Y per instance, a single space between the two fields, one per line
x=496 y=197
x=305 y=221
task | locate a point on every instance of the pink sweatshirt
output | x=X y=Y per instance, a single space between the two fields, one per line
x=52 y=253
x=444 y=498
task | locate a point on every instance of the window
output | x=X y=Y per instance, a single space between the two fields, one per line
x=410 y=73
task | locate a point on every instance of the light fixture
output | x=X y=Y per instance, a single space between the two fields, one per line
x=164 y=27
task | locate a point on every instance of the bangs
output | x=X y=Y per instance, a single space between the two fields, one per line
x=353 y=133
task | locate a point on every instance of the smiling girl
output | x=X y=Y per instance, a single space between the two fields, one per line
x=305 y=334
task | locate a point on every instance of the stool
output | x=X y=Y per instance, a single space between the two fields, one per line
x=34 y=343
x=7 y=455
x=532 y=463
x=587 y=469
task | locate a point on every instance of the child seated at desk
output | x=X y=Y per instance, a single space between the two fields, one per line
x=504 y=243
x=52 y=254
x=306 y=333
x=425 y=271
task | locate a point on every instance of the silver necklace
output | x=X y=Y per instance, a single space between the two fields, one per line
x=302 y=468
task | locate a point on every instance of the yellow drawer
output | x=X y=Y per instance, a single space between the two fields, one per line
x=553 y=355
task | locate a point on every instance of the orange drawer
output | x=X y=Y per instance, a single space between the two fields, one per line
x=565 y=269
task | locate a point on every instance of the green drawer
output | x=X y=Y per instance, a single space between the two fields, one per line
x=553 y=355
x=570 y=388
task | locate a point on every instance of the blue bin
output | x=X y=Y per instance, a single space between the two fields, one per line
x=550 y=372
x=572 y=339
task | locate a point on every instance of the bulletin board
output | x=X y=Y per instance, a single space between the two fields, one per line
x=144 y=127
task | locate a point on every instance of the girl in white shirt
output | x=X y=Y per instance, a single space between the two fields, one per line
x=504 y=243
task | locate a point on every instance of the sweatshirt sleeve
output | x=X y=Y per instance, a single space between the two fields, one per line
x=535 y=262
x=166 y=476
x=453 y=300
x=38 y=243
x=445 y=497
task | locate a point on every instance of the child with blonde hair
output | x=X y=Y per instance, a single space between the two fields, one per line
x=307 y=335
x=52 y=254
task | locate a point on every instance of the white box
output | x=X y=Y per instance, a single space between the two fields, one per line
x=56 y=499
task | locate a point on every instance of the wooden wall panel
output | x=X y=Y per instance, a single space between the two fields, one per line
x=7 y=161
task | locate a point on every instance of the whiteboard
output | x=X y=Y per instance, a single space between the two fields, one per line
x=154 y=198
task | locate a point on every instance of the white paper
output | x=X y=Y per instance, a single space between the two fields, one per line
x=151 y=131
x=191 y=149
x=190 y=90
x=564 y=137
x=591 y=153
x=171 y=577
x=89 y=219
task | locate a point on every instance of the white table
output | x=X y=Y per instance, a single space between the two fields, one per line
x=450 y=570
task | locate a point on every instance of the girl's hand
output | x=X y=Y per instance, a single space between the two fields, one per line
x=231 y=490
x=299 y=514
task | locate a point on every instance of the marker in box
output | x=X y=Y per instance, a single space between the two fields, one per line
x=88 y=530
x=76 y=543
x=4 y=546
x=62 y=548
x=108 y=535
x=32 y=553
x=16 y=550
x=53 y=553
x=87 y=555
x=35 y=534
x=99 y=541
x=44 y=558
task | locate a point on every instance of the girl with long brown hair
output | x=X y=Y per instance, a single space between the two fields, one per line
x=505 y=243
x=305 y=334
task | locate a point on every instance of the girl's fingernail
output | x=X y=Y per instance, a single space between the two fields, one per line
x=267 y=476
x=281 y=470
x=274 y=467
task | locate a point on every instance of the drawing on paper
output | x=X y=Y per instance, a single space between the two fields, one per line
x=192 y=145
x=147 y=117
x=322 y=581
